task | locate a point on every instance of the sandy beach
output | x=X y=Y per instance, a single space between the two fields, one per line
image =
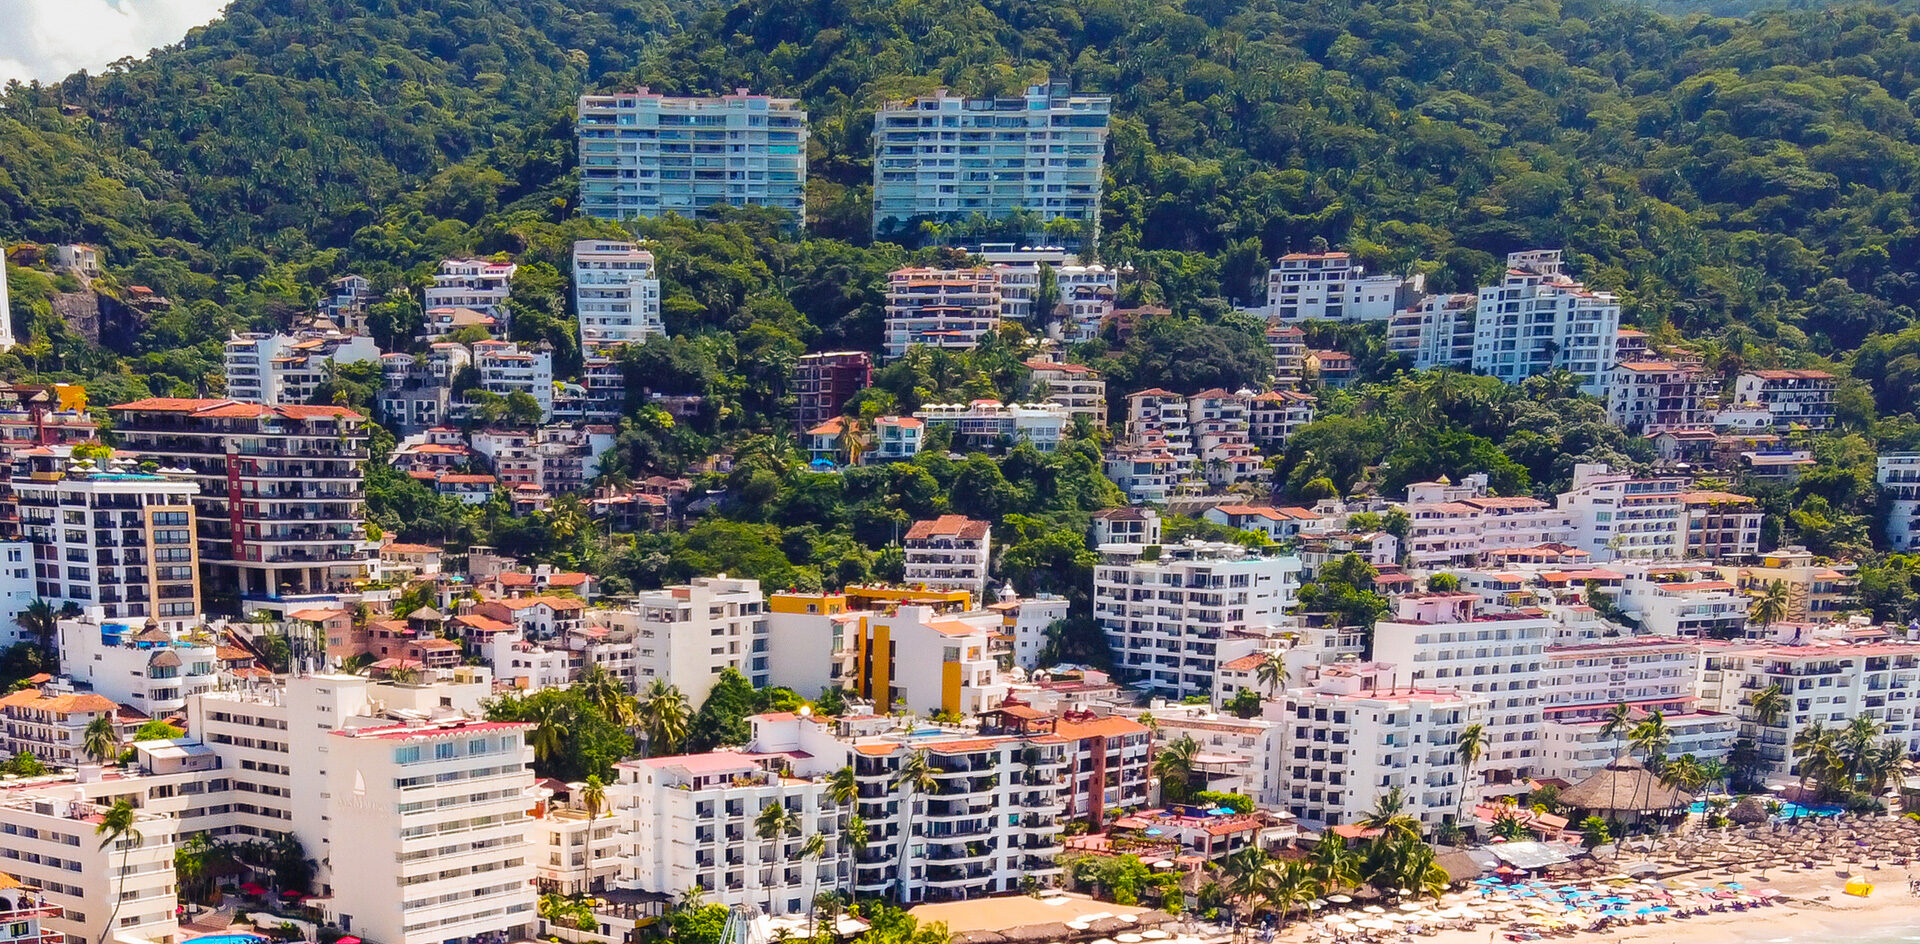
x=1811 y=908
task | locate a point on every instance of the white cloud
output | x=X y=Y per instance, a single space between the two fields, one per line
x=50 y=39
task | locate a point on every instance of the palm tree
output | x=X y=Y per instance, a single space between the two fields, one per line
x=664 y=715
x=1288 y=883
x=1614 y=724
x=1245 y=877
x=117 y=826
x=1857 y=745
x=1768 y=704
x=1685 y=773
x=1272 y=671
x=1652 y=736
x=190 y=865
x=40 y=619
x=1770 y=606
x=1173 y=765
x=99 y=741
x=1811 y=742
x=1390 y=817
x=1334 y=865
x=916 y=776
x=855 y=834
x=594 y=797
x=775 y=823
x=813 y=847
x=608 y=694
x=552 y=726
x=1473 y=743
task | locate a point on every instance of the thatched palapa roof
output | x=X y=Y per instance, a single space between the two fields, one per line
x=1625 y=785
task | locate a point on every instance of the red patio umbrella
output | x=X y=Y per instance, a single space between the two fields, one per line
x=347 y=939
x=252 y=888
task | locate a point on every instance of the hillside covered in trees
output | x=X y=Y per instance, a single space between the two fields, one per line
x=1745 y=185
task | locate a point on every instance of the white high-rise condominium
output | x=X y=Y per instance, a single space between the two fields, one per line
x=1539 y=319
x=616 y=294
x=944 y=157
x=645 y=154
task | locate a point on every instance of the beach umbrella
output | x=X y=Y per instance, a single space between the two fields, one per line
x=1129 y=938
x=1374 y=909
x=1155 y=934
x=1411 y=906
x=1340 y=899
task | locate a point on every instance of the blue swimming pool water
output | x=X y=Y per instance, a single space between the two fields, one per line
x=228 y=939
x=1788 y=810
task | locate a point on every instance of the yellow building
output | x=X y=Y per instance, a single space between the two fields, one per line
x=877 y=598
x=920 y=660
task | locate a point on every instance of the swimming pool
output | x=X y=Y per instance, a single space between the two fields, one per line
x=1788 y=809
x=227 y=939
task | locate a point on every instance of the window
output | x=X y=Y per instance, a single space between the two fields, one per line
x=406 y=755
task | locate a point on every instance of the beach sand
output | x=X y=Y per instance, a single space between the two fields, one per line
x=1812 y=909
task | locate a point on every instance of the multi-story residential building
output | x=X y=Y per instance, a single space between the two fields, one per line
x=1817 y=589
x=1125 y=525
x=1156 y=415
x=945 y=308
x=1278 y=524
x=265 y=763
x=475 y=284
x=1446 y=640
x=1585 y=677
x=51 y=845
x=1354 y=736
x=1075 y=388
x=346 y=303
x=505 y=369
x=646 y=154
x=1145 y=472
x=1827 y=683
x=616 y=294
x=1650 y=396
x=1618 y=515
x=1898 y=475
x=1237 y=755
x=942 y=157
x=51 y=724
x=280 y=504
x=1333 y=370
x=152 y=670
x=1173 y=613
x=688 y=634
x=1274 y=416
x=43 y=415
x=1436 y=332
x=417 y=390
x=990 y=424
x=1082 y=294
x=1684 y=600
x=950 y=551
x=606 y=383
x=1793 y=397
x=1106 y=766
x=1538 y=319
x=1332 y=286
x=461 y=855
x=1721 y=525
x=281 y=369
x=438 y=323
x=583 y=854
x=1458 y=525
x=112 y=539
x=689 y=821
x=1289 y=346
x=920 y=660
x=823 y=384
x=993 y=825
x=1028 y=621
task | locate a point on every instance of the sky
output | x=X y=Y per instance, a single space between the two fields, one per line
x=50 y=39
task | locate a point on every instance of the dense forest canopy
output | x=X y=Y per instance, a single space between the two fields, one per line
x=1741 y=177
x=1745 y=185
